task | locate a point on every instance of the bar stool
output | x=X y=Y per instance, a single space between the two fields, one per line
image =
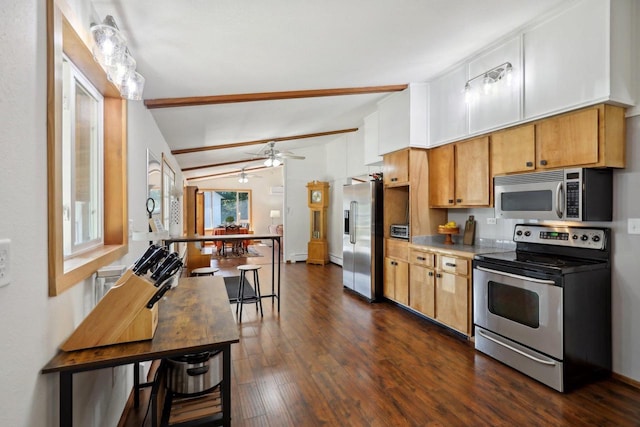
x=241 y=299
x=204 y=271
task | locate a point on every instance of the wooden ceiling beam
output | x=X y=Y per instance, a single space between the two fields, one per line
x=267 y=96
x=260 y=141
x=228 y=174
x=235 y=162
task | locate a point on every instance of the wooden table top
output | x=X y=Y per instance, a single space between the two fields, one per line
x=195 y=316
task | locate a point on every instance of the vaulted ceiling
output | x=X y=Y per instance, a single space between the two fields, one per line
x=224 y=77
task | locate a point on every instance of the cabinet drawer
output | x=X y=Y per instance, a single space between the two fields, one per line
x=397 y=249
x=453 y=265
x=418 y=257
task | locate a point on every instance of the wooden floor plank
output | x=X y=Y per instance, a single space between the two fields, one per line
x=331 y=358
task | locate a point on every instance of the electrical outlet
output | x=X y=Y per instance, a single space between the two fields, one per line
x=5 y=262
x=491 y=221
x=633 y=225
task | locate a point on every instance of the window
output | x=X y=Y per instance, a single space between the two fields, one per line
x=93 y=245
x=222 y=206
x=82 y=160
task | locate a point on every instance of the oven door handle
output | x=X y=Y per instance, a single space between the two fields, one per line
x=535 y=359
x=516 y=276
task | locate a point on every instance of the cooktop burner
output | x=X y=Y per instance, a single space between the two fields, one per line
x=555 y=249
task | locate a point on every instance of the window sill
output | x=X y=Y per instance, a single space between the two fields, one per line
x=83 y=266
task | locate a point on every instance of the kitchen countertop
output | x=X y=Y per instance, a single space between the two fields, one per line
x=482 y=246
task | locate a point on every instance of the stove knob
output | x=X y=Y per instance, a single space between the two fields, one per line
x=519 y=233
x=527 y=233
x=596 y=238
x=584 y=237
x=574 y=237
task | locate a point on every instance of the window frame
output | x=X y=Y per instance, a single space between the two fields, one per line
x=62 y=37
x=75 y=78
x=231 y=190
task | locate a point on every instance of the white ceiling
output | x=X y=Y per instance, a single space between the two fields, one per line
x=221 y=47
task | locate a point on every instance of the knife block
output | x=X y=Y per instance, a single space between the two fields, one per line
x=120 y=316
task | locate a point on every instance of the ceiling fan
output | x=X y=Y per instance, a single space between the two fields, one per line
x=243 y=177
x=274 y=157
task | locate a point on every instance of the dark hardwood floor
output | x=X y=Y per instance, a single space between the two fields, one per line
x=330 y=358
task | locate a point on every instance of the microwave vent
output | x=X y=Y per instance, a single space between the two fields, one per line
x=526 y=178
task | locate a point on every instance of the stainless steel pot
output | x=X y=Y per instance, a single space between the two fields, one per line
x=194 y=374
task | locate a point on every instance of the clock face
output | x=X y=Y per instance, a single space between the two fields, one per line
x=316 y=196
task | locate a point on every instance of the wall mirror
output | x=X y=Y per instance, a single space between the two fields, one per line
x=154 y=184
x=168 y=191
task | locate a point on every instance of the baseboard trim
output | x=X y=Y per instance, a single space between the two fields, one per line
x=633 y=383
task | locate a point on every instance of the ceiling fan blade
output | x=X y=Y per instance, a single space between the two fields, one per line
x=290 y=156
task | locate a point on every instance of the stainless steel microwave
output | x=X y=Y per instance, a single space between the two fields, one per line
x=576 y=194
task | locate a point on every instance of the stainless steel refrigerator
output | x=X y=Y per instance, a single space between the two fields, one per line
x=363 y=239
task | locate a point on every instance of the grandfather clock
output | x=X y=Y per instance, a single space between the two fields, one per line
x=318 y=200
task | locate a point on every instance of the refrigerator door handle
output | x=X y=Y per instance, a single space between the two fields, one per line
x=352 y=219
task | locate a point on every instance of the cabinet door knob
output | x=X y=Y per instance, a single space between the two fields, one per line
x=529 y=164
x=438 y=275
x=394 y=179
x=420 y=258
x=458 y=200
x=450 y=201
x=431 y=274
x=543 y=162
x=449 y=264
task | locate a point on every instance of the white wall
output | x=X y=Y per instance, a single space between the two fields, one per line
x=34 y=324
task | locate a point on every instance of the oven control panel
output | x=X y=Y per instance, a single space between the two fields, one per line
x=577 y=237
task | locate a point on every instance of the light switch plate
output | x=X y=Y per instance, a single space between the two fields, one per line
x=491 y=221
x=633 y=225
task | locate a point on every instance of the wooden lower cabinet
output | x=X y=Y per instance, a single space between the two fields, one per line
x=440 y=288
x=422 y=290
x=396 y=280
x=453 y=302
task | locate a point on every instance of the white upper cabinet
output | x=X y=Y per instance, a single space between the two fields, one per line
x=402 y=119
x=355 y=153
x=447 y=107
x=371 y=150
x=497 y=103
x=580 y=57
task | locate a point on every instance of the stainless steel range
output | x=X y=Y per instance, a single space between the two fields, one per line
x=545 y=309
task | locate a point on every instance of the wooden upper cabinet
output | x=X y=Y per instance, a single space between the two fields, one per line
x=513 y=150
x=441 y=176
x=591 y=137
x=568 y=140
x=472 y=172
x=396 y=168
x=459 y=174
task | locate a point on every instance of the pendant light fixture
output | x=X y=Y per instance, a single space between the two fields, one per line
x=111 y=52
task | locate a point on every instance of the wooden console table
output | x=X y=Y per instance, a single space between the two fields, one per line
x=193 y=317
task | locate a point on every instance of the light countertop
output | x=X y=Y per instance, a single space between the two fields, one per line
x=436 y=243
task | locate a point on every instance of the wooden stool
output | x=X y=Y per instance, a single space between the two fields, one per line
x=203 y=271
x=256 y=299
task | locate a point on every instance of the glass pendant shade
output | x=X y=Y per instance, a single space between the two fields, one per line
x=132 y=86
x=122 y=69
x=110 y=46
x=269 y=162
x=276 y=162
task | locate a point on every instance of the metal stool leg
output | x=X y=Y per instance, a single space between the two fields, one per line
x=258 y=296
x=239 y=299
